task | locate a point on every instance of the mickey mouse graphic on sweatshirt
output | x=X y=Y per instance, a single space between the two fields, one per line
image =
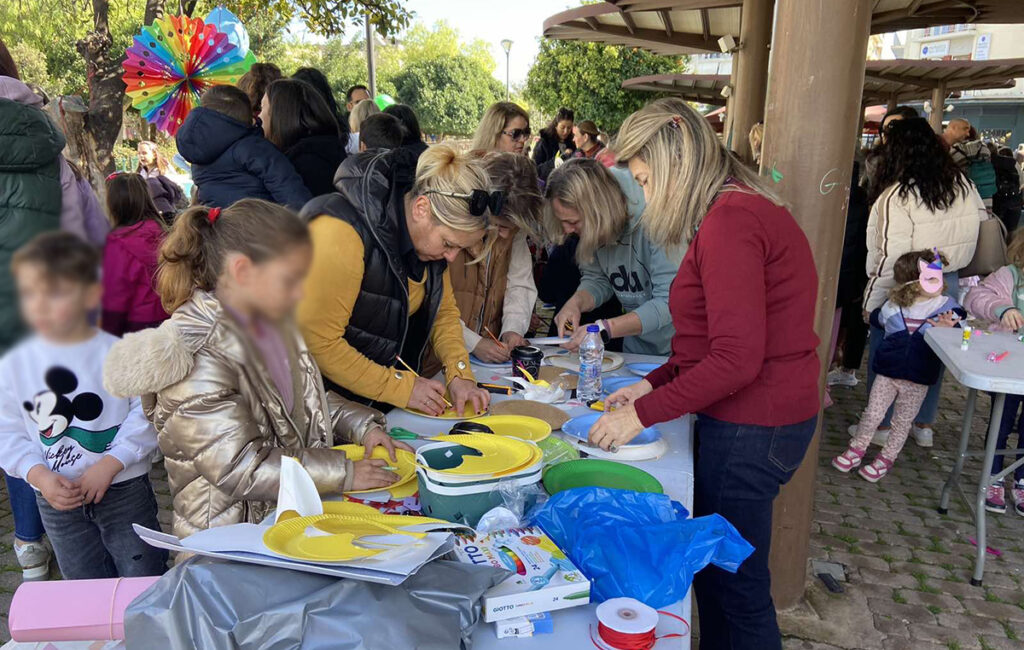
x=54 y=411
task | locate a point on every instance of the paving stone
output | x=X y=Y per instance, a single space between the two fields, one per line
x=902 y=643
x=976 y=624
x=886 y=578
x=1000 y=643
x=889 y=625
x=859 y=561
x=997 y=610
x=875 y=549
x=942 y=601
x=967 y=640
x=901 y=611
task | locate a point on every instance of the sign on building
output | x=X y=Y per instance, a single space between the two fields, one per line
x=982 y=46
x=935 y=50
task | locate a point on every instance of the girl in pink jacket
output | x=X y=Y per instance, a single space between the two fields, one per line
x=130 y=302
x=1000 y=299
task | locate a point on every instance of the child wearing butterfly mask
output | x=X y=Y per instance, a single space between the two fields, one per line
x=905 y=366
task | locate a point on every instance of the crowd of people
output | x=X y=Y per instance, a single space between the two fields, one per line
x=330 y=266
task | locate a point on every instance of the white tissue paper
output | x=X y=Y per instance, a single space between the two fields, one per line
x=546 y=394
x=297 y=492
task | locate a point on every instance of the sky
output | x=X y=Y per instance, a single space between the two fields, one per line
x=522 y=21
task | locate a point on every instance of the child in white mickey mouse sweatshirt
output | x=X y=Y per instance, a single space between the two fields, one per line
x=85 y=451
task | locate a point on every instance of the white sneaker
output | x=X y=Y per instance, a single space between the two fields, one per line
x=840 y=377
x=34 y=558
x=922 y=435
x=879 y=439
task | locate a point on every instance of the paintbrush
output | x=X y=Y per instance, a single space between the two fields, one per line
x=416 y=374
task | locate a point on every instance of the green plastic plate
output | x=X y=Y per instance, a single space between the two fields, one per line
x=593 y=472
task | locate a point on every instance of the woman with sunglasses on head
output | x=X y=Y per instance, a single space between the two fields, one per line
x=744 y=356
x=379 y=287
x=505 y=126
x=494 y=288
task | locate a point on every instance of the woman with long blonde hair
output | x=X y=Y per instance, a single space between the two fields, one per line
x=505 y=126
x=616 y=258
x=379 y=288
x=744 y=354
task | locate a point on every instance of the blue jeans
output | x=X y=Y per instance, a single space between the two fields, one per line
x=1013 y=404
x=97 y=540
x=28 y=527
x=738 y=472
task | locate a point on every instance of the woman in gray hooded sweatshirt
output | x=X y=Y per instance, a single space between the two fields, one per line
x=603 y=207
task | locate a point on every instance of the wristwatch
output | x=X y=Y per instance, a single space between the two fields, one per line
x=606 y=336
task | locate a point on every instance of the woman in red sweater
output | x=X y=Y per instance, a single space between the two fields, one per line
x=744 y=354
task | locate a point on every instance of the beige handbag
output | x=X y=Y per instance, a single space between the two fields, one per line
x=990 y=254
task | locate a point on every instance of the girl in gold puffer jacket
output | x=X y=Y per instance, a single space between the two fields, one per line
x=228 y=381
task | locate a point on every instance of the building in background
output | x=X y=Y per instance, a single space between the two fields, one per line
x=997 y=114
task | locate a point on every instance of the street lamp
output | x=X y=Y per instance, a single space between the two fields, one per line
x=506 y=45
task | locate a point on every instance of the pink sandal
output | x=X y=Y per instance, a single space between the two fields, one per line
x=848 y=460
x=878 y=468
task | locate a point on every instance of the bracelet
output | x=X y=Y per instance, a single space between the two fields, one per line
x=606 y=327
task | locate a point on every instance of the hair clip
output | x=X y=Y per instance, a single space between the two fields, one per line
x=212 y=215
x=675 y=121
x=113 y=176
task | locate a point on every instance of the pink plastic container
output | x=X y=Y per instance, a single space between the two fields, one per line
x=73 y=610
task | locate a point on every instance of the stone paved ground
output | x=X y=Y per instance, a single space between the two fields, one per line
x=908 y=567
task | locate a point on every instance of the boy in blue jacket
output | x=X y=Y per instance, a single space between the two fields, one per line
x=231 y=159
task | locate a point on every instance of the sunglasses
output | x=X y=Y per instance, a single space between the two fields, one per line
x=479 y=200
x=518 y=134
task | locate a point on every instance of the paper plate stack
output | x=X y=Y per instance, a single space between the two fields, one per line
x=457 y=475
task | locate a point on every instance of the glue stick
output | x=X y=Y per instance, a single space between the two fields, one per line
x=966 y=340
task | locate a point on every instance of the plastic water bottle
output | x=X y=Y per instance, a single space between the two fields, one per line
x=591 y=360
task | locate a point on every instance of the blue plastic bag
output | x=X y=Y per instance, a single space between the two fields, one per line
x=636 y=544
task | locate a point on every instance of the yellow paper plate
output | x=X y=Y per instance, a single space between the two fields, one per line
x=291 y=538
x=523 y=427
x=500 y=454
x=450 y=414
x=405 y=464
x=350 y=509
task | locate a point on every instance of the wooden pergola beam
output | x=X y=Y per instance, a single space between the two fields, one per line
x=629 y=22
x=680 y=40
x=666 y=20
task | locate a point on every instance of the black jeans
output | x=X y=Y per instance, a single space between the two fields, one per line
x=97 y=540
x=739 y=469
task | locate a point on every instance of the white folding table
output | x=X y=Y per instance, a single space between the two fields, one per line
x=675 y=472
x=972 y=368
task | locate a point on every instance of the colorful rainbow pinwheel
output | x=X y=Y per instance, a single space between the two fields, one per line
x=171 y=63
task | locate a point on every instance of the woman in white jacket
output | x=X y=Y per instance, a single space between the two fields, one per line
x=926 y=201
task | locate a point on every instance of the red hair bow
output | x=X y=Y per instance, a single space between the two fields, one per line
x=213 y=214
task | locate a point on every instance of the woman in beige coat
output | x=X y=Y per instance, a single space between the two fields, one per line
x=228 y=381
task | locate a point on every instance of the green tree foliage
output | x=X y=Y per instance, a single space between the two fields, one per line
x=447 y=81
x=31 y=64
x=587 y=77
x=448 y=93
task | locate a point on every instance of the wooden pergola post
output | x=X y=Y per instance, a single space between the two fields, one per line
x=749 y=74
x=938 y=104
x=891 y=106
x=816 y=77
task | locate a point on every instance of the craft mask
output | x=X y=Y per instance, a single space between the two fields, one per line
x=931 y=275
